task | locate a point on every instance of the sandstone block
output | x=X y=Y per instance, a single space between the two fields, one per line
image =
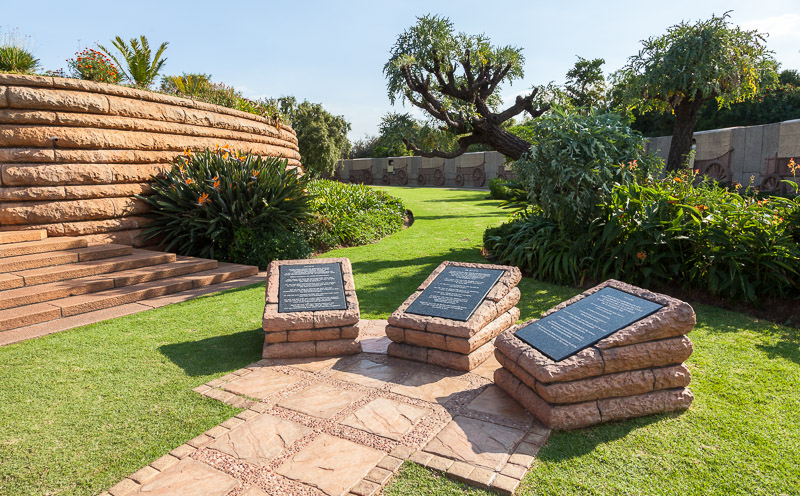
x=676 y=376
x=648 y=354
x=15 y=116
x=427 y=339
x=396 y=334
x=349 y=332
x=39 y=98
x=3 y=99
x=313 y=334
x=408 y=352
x=498 y=325
x=604 y=386
x=566 y=417
x=665 y=400
x=337 y=347
x=275 y=337
x=289 y=350
x=457 y=361
x=586 y=363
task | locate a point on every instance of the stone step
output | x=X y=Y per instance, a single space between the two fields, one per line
x=41 y=246
x=72 y=287
x=74 y=305
x=35 y=313
x=22 y=236
x=46 y=261
x=136 y=259
x=28 y=315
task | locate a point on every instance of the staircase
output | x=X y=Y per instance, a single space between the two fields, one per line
x=45 y=279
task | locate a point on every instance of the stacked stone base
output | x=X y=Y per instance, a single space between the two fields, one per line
x=301 y=343
x=636 y=371
x=456 y=350
x=318 y=333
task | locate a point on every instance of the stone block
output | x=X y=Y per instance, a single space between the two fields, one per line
x=650 y=354
x=337 y=347
x=665 y=400
x=426 y=339
x=457 y=361
x=349 y=332
x=313 y=334
x=396 y=334
x=289 y=350
x=407 y=352
x=567 y=417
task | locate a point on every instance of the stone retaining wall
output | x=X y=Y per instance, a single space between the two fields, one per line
x=74 y=153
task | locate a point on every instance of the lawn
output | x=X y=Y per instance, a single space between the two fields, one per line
x=84 y=408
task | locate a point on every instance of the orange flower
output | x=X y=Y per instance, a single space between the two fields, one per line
x=701 y=207
x=189 y=180
x=641 y=255
x=677 y=180
x=203 y=199
x=256 y=173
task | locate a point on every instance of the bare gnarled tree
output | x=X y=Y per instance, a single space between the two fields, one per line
x=453 y=78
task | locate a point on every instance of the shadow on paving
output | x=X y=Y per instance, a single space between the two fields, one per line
x=217 y=354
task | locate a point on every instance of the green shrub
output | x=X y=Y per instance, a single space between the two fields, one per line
x=200 y=87
x=654 y=232
x=200 y=204
x=354 y=214
x=93 y=66
x=261 y=246
x=16 y=55
x=499 y=190
x=573 y=161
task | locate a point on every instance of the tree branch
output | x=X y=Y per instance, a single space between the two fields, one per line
x=463 y=143
x=522 y=104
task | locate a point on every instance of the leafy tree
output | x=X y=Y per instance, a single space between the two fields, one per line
x=321 y=136
x=691 y=64
x=453 y=78
x=790 y=77
x=142 y=66
x=586 y=85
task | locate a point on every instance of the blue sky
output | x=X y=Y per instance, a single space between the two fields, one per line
x=333 y=52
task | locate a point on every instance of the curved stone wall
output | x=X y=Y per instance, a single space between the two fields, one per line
x=74 y=153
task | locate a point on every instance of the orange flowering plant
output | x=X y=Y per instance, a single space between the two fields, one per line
x=201 y=203
x=93 y=65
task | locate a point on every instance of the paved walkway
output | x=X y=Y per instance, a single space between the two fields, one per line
x=344 y=426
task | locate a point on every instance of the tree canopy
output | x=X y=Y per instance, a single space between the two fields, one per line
x=321 y=136
x=693 y=63
x=586 y=85
x=453 y=78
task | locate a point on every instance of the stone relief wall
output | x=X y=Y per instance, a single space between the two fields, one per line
x=74 y=153
x=727 y=155
x=737 y=153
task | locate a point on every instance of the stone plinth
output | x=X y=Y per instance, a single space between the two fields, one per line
x=635 y=371
x=310 y=333
x=455 y=344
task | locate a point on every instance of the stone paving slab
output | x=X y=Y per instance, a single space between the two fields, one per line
x=344 y=426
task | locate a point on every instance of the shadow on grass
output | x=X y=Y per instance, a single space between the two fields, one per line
x=217 y=354
x=787 y=345
x=499 y=213
x=565 y=445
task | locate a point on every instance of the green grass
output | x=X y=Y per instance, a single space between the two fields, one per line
x=81 y=409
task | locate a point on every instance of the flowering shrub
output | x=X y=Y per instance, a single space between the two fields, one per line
x=93 y=65
x=201 y=204
x=651 y=231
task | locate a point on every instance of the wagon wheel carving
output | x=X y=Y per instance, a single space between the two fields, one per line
x=421 y=180
x=501 y=176
x=367 y=177
x=438 y=177
x=717 y=172
x=402 y=177
x=478 y=178
x=385 y=180
x=770 y=184
x=459 y=180
x=352 y=179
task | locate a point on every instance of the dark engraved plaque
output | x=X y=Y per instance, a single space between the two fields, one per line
x=455 y=293
x=585 y=322
x=311 y=287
